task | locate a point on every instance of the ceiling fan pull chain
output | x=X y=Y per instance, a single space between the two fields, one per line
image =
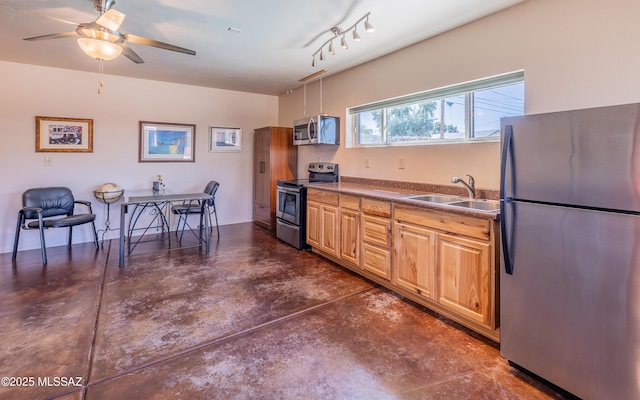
x=100 y=71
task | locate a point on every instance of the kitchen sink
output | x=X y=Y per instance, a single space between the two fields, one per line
x=435 y=198
x=485 y=205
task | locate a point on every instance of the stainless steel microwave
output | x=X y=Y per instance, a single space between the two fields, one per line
x=319 y=129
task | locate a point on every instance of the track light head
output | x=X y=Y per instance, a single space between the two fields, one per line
x=321 y=55
x=343 y=43
x=313 y=62
x=356 y=36
x=332 y=51
x=368 y=27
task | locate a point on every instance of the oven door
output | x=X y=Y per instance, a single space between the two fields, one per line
x=288 y=200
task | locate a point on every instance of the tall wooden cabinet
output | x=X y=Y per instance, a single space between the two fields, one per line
x=274 y=157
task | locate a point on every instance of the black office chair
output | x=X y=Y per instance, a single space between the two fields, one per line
x=51 y=207
x=188 y=208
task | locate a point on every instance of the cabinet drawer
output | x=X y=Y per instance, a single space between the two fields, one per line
x=376 y=231
x=350 y=202
x=376 y=207
x=261 y=212
x=322 y=196
x=444 y=221
x=376 y=260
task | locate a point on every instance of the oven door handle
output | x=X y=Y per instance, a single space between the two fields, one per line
x=288 y=190
x=288 y=223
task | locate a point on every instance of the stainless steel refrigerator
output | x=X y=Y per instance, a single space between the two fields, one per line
x=570 y=263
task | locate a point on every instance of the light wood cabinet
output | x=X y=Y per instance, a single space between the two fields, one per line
x=449 y=260
x=415 y=259
x=275 y=158
x=323 y=221
x=443 y=260
x=464 y=271
x=350 y=229
x=376 y=245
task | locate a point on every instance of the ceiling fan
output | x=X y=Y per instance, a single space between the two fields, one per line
x=101 y=39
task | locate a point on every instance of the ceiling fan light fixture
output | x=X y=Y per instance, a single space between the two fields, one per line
x=99 y=49
x=111 y=19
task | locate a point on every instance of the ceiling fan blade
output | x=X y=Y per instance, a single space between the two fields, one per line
x=130 y=54
x=53 y=36
x=155 y=43
x=111 y=19
x=64 y=21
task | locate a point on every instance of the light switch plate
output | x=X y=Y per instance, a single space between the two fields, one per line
x=48 y=161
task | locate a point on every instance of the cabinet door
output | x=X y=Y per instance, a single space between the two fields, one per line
x=349 y=235
x=314 y=224
x=329 y=229
x=262 y=168
x=414 y=261
x=463 y=276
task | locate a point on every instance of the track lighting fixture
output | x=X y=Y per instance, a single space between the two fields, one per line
x=338 y=31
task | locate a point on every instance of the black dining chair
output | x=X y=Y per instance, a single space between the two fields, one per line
x=189 y=208
x=51 y=207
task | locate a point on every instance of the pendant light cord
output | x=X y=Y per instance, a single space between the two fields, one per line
x=321 y=109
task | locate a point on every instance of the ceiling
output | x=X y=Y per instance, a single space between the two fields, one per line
x=268 y=49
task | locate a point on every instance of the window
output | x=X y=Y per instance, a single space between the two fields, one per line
x=465 y=112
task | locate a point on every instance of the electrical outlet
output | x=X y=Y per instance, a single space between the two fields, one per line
x=401 y=163
x=366 y=163
x=48 y=161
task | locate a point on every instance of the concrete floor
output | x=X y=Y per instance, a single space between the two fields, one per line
x=255 y=319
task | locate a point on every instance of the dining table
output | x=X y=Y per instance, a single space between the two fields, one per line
x=149 y=211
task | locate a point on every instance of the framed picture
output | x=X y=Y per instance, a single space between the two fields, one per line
x=167 y=142
x=225 y=139
x=70 y=135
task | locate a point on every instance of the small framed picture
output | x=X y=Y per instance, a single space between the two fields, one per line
x=69 y=135
x=167 y=142
x=225 y=139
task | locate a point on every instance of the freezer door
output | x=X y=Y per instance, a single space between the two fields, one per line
x=570 y=310
x=586 y=157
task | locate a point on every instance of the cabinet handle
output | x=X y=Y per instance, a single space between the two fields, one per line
x=261 y=168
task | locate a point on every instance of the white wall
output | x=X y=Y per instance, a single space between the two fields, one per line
x=29 y=91
x=575 y=54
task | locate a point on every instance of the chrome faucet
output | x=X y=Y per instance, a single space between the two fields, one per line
x=471 y=186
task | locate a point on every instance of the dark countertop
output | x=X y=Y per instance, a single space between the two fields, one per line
x=399 y=196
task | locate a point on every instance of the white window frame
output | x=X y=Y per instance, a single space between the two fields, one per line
x=467 y=89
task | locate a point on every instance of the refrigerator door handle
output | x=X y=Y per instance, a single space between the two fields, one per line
x=504 y=158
